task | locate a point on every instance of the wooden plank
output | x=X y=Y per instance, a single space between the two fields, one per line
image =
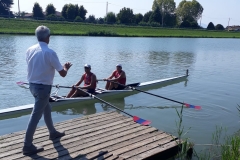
x=97 y=157
x=113 y=158
x=62 y=125
x=156 y=151
x=90 y=147
x=57 y=124
x=146 y=147
x=109 y=136
x=44 y=136
x=125 y=143
x=102 y=143
x=142 y=143
x=84 y=134
x=85 y=141
x=80 y=135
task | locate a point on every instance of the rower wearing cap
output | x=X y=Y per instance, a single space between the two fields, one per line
x=90 y=83
x=117 y=76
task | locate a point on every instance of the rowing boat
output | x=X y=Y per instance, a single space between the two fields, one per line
x=57 y=100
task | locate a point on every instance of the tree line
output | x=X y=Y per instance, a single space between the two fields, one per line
x=163 y=13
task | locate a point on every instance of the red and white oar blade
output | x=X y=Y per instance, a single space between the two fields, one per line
x=20 y=83
x=141 y=121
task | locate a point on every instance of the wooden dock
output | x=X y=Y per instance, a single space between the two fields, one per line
x=106 y=135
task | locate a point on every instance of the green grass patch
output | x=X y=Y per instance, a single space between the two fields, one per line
x=27 y=27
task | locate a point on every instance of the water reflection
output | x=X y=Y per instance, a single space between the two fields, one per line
x=76 y=109
x=8 y=56
x=184 y=59
x=117 y=102
x=159 y=58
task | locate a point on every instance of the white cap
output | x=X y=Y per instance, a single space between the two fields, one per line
x=87 y=65
x=118 y=65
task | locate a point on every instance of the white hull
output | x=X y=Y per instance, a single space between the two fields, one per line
x=103 y=93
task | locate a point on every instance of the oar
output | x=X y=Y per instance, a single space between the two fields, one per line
x=23 y=83
x=135 y=118
x=186 y=104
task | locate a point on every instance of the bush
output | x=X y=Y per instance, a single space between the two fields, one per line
x=185 y=24
x=143 y=23
x=155 y=24
x=101 y=33
x=219 y=27
x=78 y=19
x=100 y=21
x=211 y=26
x=53 y=17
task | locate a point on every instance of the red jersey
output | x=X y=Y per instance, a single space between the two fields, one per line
x=87 y=80
x=117 y=74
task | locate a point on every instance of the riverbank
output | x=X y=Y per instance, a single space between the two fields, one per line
x=27 y=27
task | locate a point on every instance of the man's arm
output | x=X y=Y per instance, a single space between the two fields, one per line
x=122 y=75
x=80 y=81
x=110 y=77
x=93 y=82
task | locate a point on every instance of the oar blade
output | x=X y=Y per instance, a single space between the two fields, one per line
x=20 y=83
x=198 y=107
x=192 y=106
x=141 y=121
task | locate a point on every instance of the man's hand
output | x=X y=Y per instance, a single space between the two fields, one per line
x=67 y=65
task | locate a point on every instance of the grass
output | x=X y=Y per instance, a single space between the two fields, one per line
x=27 y=27
x=223 y=147
x=185 y=147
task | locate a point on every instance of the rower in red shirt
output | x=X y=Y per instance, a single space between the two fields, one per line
x=117 y=76
x=90 y=83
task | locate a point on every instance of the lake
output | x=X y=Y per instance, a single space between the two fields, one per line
x=213 y=83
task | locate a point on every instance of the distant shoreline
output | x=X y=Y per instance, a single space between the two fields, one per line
x=27 y=27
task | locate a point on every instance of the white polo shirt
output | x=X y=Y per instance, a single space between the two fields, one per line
x=42 y=62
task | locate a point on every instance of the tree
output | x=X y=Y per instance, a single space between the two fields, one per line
x=64 y=11
x=50 y=9
x=111 y=17
x=100 y=20
x=5 y=6
x=211 y=26
x=37 y=11
x=170 y=20
x=76 y=9
x=71 y=14
x=219 y=27
x=91 y=19
x=82 y=12
x=156 y=16
x=189 y=9
x=167 y=9
x=126 y=16
x=189 y=22
x=166 y=6
x=138 y=18
x=147 y=16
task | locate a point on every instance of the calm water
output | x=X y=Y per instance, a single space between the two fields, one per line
x=213 y=82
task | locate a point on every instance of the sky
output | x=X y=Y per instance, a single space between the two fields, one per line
x=216 y=11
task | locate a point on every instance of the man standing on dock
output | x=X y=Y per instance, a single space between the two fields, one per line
x=42 y=63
